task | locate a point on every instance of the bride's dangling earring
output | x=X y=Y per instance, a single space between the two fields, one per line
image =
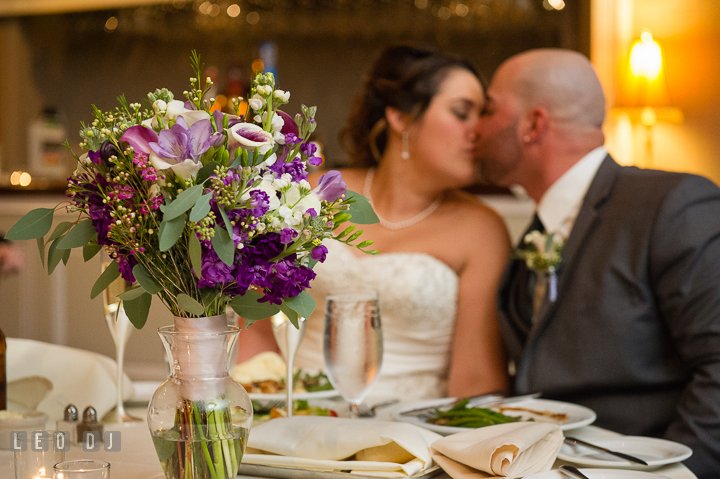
x=405 y=146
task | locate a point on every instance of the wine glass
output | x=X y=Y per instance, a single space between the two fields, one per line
x=353 y=345
x=120 y=329
x=288 y=339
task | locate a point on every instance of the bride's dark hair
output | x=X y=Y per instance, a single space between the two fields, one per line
x=402 y=77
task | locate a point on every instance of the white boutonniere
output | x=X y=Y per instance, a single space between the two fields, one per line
x=542 y=253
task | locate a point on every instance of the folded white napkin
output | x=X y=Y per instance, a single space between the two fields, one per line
x=80 y=377
x=510 y=450
x=369 y=447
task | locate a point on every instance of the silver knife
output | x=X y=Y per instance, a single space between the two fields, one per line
x=572 y=472
x=482 y=400
x=627 y=457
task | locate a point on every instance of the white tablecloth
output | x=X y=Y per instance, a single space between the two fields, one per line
x=137 y=458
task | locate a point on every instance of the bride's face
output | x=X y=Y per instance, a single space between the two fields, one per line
x=442 y=140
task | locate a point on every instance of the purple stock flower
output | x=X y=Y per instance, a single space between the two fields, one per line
x=308 y=149
x=295 y=168
x=319 y=253
x=214 y=271
x=283 y=279
x=288 y=235
x=291 y=139
x=311 y=212
x=331 y=186
x=126 y=263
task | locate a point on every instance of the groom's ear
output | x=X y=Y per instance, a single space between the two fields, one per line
x=535 y=124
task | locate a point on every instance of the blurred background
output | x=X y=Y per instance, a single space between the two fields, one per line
x=656 y=59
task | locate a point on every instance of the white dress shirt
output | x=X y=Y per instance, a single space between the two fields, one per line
x=561 y=203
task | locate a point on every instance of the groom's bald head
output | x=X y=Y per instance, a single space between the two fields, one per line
x=562 y=81
x=544 y=112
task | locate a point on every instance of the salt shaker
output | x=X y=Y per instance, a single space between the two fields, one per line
x=89 y=424
x=69 y=423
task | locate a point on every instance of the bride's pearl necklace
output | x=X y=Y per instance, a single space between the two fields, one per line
x=396 y=225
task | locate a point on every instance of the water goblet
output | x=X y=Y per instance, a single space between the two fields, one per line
x=353 y=345
x=120 y=328
x=288 y=339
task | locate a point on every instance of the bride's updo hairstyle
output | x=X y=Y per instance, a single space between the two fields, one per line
x=402 y=77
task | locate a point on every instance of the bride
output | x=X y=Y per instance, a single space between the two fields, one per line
x=441 y=252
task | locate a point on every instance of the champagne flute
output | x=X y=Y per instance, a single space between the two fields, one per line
x=288 y=339
x=353 y=345
x=120 y=329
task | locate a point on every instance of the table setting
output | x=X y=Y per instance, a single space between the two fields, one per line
x=212 y=214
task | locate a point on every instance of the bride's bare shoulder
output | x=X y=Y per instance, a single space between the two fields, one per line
x=479 y=218
x=353 y=177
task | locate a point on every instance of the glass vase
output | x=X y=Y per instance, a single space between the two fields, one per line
x=200 y=417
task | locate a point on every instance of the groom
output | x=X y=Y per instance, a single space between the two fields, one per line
x=633 y=331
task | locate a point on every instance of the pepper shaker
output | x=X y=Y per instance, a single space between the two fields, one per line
x=89 y=424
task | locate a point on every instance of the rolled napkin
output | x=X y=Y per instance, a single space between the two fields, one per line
x=514 y=449
x=368 y=447
x=80 y=377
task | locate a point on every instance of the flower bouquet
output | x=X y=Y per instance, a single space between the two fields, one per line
x=203 y=210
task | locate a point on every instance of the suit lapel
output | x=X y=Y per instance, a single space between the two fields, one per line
x=589 y=214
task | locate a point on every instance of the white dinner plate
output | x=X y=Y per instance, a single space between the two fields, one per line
x=330 y=393
x=599 y=474
x=656 y=452
x=578 y=416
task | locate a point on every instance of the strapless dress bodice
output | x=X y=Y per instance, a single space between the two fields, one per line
x=418 y=307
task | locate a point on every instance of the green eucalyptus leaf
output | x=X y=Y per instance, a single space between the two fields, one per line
x=138 y=309
x=247 y=307
x=54 y=256
x=291 y=315
x=170 y=232
x=83 y=233
x=195 y=254
x=190 y=305
x=182 y=203
x=34 y=224
x=201 y=208
x=90 y=250
x=111 y=273
x=226 y=220
x=146 y=280
x=132 y=293
x=303 y=304
x=65 y=256
x=41 y=249
x=361 y=210
x=205 y=172
x=60 y=230
x=223 y=245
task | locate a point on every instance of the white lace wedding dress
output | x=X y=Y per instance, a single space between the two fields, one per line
x=418 y=306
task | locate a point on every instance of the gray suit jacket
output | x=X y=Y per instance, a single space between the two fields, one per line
x=635 y=331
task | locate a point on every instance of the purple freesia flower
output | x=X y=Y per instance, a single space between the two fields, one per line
x=331 y=186
x=319 y=253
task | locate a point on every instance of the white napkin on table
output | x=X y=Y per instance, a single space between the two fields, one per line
x=80 y=377
x=510 y=450
x=369 y=447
